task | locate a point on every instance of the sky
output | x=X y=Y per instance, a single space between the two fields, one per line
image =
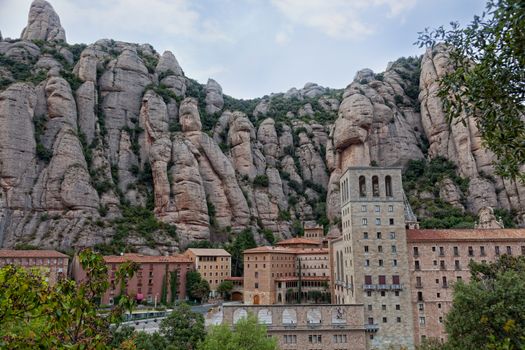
x=257 y=47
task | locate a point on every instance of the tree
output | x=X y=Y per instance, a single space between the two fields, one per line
x=35 y=315
x=196 y=287
x=247 y=334
x=183 y=328
x=243 y=241
x=487 y=78
x=225 y=288
x=490 y=309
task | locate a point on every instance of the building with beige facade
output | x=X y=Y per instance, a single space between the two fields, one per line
x=52 y=264
x=370 y=258
x=214 y=265
x=305 y=327
x=282 y=274
x=439 y=258
x=154 y=274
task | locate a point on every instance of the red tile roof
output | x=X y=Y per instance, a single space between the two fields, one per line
x=286 y=250
x=298 y=240
x=146 y=258
x=454 y=235
x=9 y=253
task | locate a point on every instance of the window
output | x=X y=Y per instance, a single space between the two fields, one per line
x=394 y=249
x=375 y=186
x=395 y=279
x=364 y=221
x=442 y=264
x=383 y=293
x=363 y=208
x=388 y=186
x=390 y=208
x=421 y=306
x=365 y=235
x=398 y=307
x=362 y=186
x=523 y=250
x=370 y=320
x=367 y=262
x=456 y=265
x=419 y=296
x=256 y=285
x=497 y=250
x=456 y=251
x=422 y=321
x=416 y=265
x=391 y=221
x=398 y=319
x=470 y=251
x=441 y=251
x=379 y=248
x=509 y=250
x=256 y=274
x=382 y=279
x=394 y=262
x=378 y=234
x=384 y=319
x=366 y=248
x=378 y=221
x=392 y=235
x=380 y=262
x=482 y=251
x=369 y=307
x=416 y=251
x=377 y=209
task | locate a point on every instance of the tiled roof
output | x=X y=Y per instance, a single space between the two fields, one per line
x=8 y=253
x=208 y=252
x=146 y=258
x=297 y=240
x=286 y=250
x=466 y=235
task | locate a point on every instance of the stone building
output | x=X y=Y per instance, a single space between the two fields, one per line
x=439 y=258
x=327 y=327
x=51 y=263
x=370 y=258
x=278 y=275
x=147 y=283
x=214 y=265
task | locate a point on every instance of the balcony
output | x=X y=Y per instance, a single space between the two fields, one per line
x=369 y=287
x=383 y=287
x=444 y=285
x=371 y=327
x=396 y=287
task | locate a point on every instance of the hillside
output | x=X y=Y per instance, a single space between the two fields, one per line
x=111 y=144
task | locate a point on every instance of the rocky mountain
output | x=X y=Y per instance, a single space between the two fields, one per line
x=111 y=144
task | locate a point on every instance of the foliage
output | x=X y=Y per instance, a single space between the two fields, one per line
x=164 y=92
x=71 y=78
x=197 y=288
x=244 y=240
x=245 y=106
x=247 y=334
x=507 y=217
x=487 y=78
x=154 y=341
x=261 y=181
x=42 y=152
x=489 y=309
x=36 y=315
x=183 y=328
x=268 y=235
x=225 y=288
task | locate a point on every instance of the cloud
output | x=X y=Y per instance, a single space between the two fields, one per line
x=339 y=18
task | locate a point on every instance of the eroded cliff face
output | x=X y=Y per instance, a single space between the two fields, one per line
x=89 y=132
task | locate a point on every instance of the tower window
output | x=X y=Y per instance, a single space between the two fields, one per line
x=362 y=186
x=375 y=186
x=388 y=186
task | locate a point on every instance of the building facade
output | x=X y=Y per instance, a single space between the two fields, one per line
x=439 y=258
x=370 y=258
x=155 y=273
x=52 y=264
x=214 y=265
x=301 y=327
x=280 y=275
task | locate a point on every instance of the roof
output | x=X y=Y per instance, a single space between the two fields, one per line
x=208 y=252
x=11 y=253
x=303 y=278
x=298 y=240
x=146 y=258
x=457 y=235
x=232 y=278
x=286 y=250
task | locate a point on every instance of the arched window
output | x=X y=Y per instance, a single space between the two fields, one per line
x=388 y=186
x=375 y=186
x=362 y=186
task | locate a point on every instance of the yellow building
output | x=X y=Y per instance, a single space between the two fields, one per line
x=214 y=265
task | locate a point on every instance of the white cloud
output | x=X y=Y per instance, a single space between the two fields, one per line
x=339 y=18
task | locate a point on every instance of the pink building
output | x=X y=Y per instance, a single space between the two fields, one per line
x=52 y=263
x=147 y=283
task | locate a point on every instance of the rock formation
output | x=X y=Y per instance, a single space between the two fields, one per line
x=43 y=23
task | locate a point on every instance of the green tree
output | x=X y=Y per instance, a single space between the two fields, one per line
x=487 y=79
x=225 y=288
x=244 y=240
x=183 y=328
x=247 y=334
x=490 y=309
x=35 y=315
x=196 y=287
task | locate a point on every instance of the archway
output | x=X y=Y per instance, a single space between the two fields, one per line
x=236 y=296
x=256 y=300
